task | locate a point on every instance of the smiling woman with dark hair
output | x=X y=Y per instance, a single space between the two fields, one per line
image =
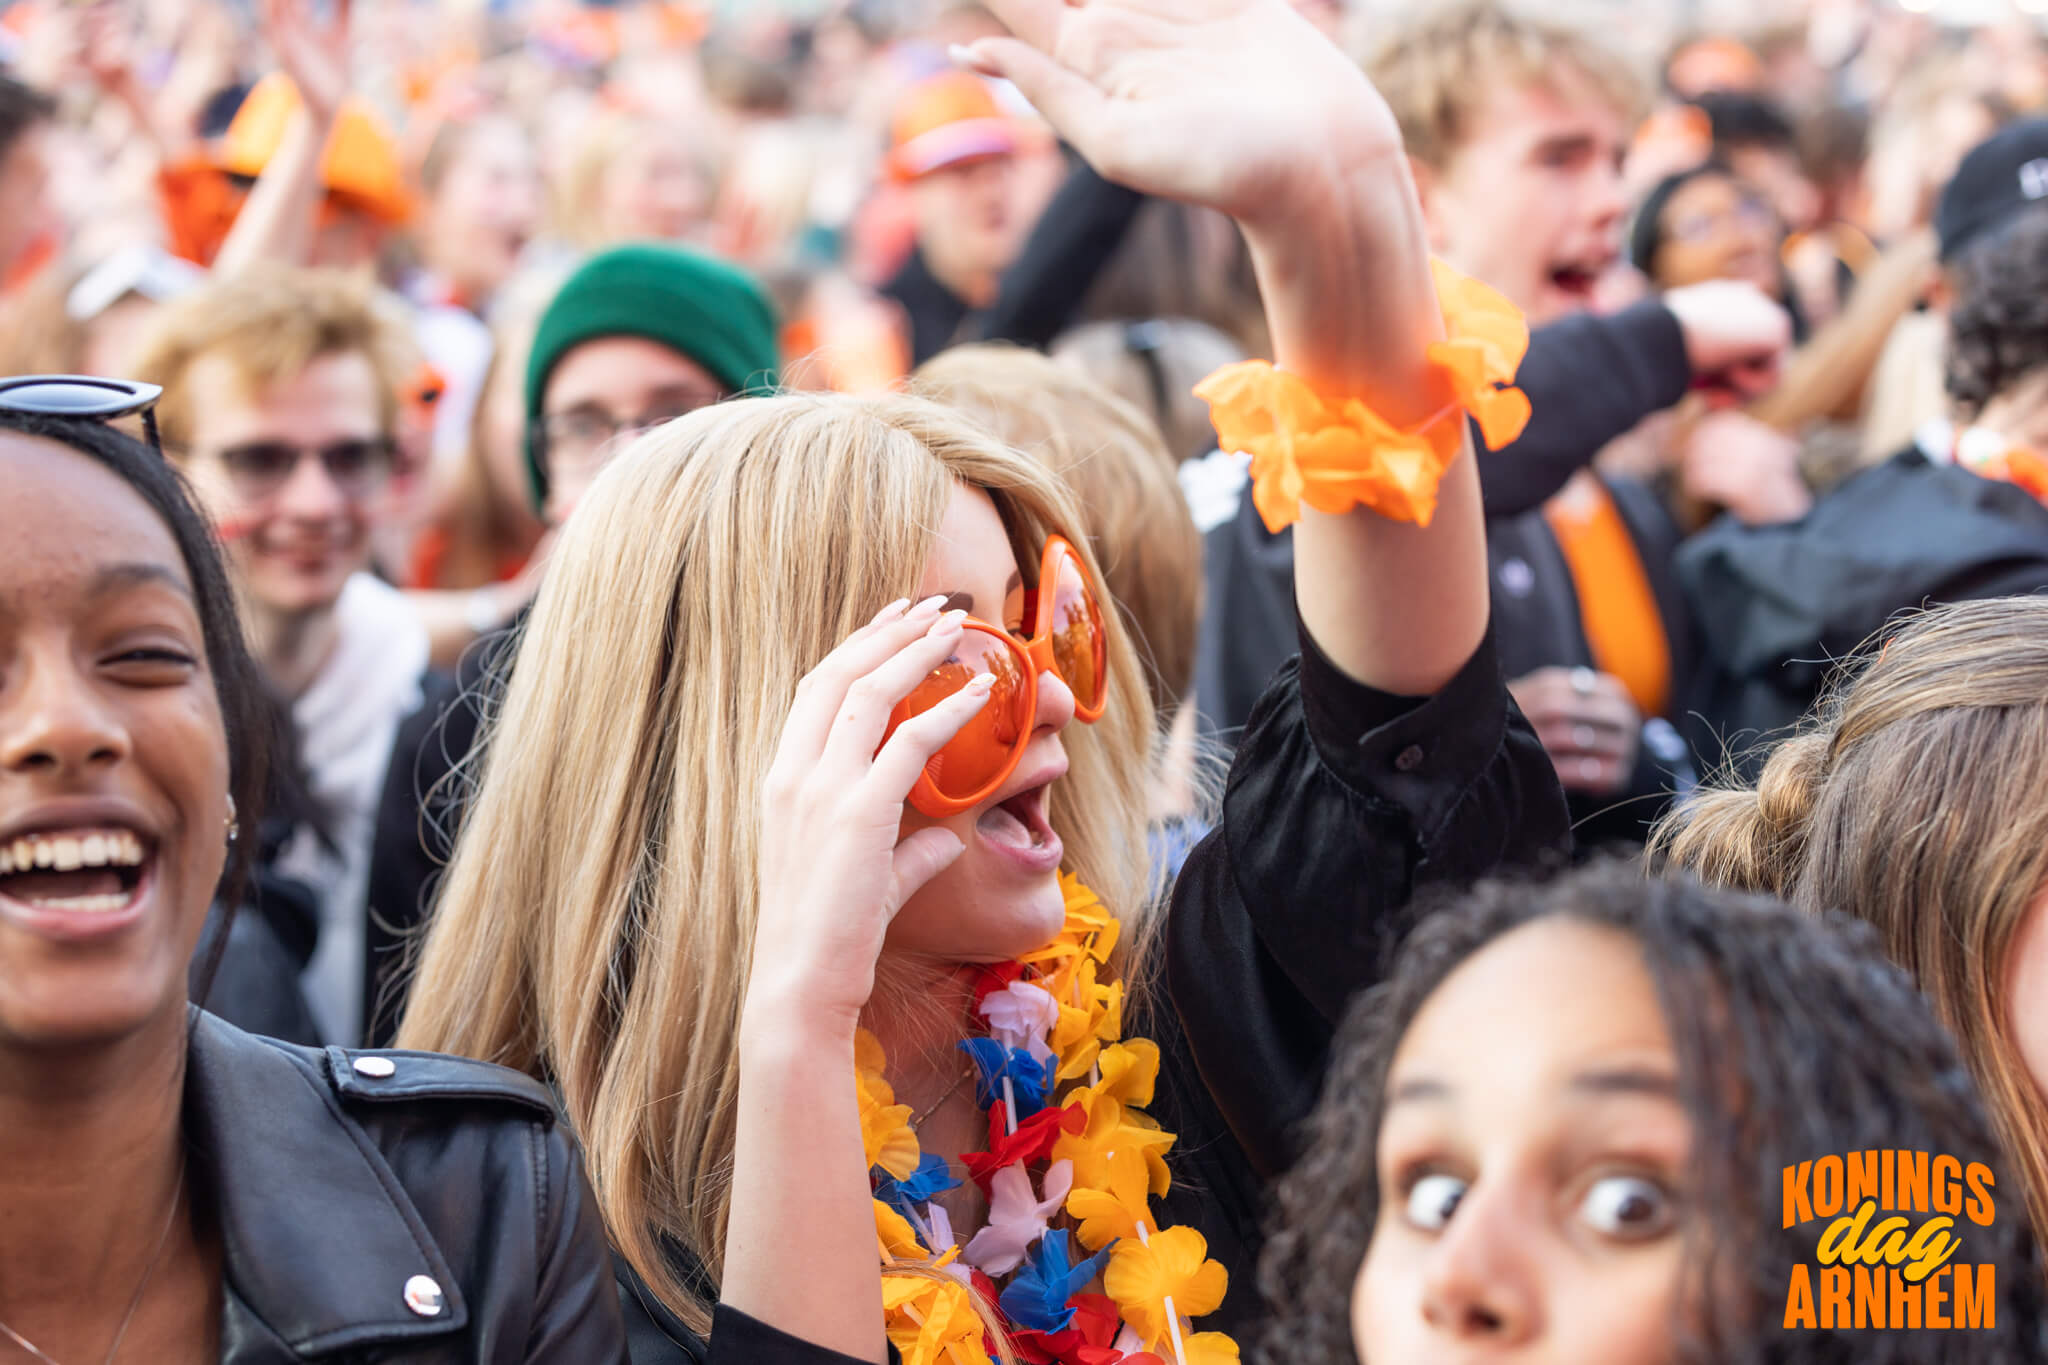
x=1593 y=1122
x=172 y=1185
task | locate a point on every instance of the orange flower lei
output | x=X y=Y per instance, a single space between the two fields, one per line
x=1335 y=455
x=1086 y=1147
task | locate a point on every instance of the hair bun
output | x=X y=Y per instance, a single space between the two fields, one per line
x=1786 y=791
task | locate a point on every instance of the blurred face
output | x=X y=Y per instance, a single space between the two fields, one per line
x=294 y=477
x=967 y=221
x=1717 y=228
x=1001 y=897
x=1530 y=1164
x=602 y=394
x=24 y=188
x=113 y=760
x=1532 y=202
x=1777 y=174
x=2026 y=991
x=487 y=207
x=653 y=190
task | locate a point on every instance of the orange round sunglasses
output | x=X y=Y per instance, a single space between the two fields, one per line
x=1067 y=640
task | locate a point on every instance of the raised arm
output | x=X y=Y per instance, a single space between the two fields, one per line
x=277 y=220
x=1243 y=106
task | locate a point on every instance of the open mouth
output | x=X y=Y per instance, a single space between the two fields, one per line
x=1575 y=280
x=79 y=872
x=1018 y=822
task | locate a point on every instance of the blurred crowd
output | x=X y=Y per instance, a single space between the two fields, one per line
x=411 y=274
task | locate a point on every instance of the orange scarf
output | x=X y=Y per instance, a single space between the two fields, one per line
x=1617 y=608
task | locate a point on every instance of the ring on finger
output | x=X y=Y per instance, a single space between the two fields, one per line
x=1584 y=681
x=1584 y=737
x=1591 y=770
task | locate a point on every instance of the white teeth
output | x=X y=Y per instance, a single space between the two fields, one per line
x=69 y=852
x=83 y=905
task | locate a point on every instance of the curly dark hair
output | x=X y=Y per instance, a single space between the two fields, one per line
x=1830 y=1046
x=1998 y=324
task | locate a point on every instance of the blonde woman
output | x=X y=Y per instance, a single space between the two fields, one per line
x=1917 y=799
x=705 y=884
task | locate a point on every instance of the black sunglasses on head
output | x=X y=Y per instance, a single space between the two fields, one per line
x=83 y=395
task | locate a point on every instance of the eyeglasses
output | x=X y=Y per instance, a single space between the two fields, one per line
x=83 y=395
x=1067 y=640
x=580 y=434
x=259 y=470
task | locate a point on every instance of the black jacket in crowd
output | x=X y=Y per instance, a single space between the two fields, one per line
x=1589 y=379
x=1342 y=804
x=335 y=1189
x=1779 y=606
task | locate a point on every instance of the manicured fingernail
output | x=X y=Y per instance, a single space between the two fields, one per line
x=980 y=682
x=962 y=55
x=896 y=608
x=951 y=621
x=926 y=607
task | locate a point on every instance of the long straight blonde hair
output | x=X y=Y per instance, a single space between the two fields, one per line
x=596 y=926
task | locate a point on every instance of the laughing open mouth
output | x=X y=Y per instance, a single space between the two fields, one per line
x=82 y=871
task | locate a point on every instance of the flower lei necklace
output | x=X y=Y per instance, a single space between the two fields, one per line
x=1063 y=1092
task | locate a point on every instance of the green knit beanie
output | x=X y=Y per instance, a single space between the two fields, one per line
x=694 y=304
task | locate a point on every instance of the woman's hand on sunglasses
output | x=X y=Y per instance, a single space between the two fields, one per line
x=833 y=872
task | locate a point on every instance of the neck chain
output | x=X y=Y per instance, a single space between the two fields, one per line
x=917 y=1120
x=135 y=1300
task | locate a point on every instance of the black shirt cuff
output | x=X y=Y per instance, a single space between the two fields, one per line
x=737 y=1337
x=1418 y=753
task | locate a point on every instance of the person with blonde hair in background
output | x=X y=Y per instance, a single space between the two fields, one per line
x=712 y=872
x=283 y=392
x=1914 y=799
x=1136 y=521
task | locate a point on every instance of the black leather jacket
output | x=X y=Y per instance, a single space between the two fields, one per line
x=397 y=1206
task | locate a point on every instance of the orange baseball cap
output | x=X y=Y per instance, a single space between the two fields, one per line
x=945 y=120
x=361 y=161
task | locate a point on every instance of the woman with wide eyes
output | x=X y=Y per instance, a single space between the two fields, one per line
x=172 y=1189
x=758 y=843
x=1560 y=1130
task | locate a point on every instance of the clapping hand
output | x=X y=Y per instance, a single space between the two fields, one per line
x=315 y=55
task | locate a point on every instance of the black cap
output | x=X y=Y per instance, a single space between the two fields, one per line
x=2001 y=175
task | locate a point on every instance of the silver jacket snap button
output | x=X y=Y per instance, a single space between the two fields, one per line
x=422 y=1295
x=378 y=1068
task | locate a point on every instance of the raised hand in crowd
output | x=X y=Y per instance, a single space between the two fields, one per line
x=279 y=221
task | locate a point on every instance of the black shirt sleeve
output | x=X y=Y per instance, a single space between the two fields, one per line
x=1589 y=379
x=1342 y=804
x=655 y=1336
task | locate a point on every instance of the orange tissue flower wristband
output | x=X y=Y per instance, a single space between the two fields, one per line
x=1338 y=454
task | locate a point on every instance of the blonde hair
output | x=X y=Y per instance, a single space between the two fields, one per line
x=597 y=922
x=1136 y=520
x=1437 y=71
x=1917 y=799
x=1154 y=365
x=270 y=322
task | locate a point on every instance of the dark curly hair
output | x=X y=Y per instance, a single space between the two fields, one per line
x=1998 y=325
x=1829 y=1045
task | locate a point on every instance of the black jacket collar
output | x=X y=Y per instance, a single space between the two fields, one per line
x=318 y=1237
